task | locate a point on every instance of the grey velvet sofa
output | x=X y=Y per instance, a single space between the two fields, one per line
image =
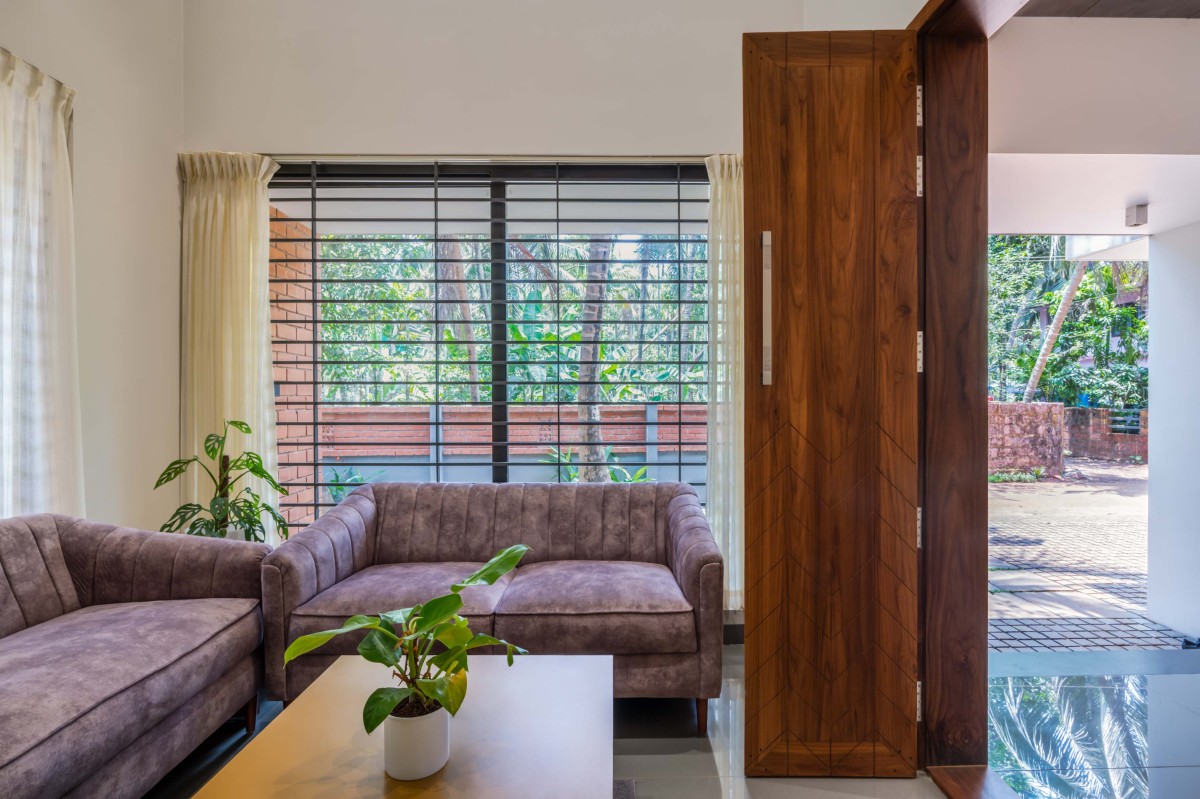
x=120 y=651
x=629 y=570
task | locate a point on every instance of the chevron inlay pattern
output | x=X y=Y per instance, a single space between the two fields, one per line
x=831 y=471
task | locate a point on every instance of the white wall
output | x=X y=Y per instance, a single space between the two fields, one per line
x=1174 y=542
x=124 y=59
x=521 y=77
x=1060 y=85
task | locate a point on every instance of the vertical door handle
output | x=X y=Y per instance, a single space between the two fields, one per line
x=767 y=328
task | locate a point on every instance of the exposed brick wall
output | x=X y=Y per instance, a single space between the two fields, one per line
x=293 y=358
x=1089 y=435
x=1025 y=435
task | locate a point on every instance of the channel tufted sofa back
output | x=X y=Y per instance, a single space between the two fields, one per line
x=431 y=522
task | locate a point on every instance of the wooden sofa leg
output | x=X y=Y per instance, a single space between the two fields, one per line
x=702 y=717
x=251 y=711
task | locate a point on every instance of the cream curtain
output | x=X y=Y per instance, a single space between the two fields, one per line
x=226 y=310
x=727 y=373
x=41 y=453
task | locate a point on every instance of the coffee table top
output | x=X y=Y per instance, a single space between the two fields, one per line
x=540 y=729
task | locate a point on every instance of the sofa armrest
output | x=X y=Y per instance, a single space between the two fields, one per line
x=338 y=544
x=119 y=564
x=698 y=567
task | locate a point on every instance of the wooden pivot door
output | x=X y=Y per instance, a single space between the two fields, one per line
x=832 y=442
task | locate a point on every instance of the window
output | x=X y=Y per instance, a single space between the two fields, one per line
x=475 y=322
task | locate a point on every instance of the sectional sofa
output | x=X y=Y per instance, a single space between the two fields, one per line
x=629 y=570
x=120 y=651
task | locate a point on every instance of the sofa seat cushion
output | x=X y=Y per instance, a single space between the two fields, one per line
x=392 y=586
x=596 y=608
x=79 y=688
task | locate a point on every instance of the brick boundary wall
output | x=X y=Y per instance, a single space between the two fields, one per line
x=1089 y=435
x=1025 y=435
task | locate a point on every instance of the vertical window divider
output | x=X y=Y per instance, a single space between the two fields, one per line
x=499 y=330
x=314 y=265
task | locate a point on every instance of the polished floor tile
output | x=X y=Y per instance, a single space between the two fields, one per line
x=656 y=746
x=1097 y=736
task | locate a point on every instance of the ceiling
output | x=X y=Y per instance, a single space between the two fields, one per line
x=1088 y=194
x=1146 y=9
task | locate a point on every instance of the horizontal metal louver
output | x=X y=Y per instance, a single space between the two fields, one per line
x=476 y=322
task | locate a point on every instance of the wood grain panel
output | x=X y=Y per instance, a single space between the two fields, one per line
x=955 y=627
x=769 y=475
x=836 y=184
x=964 y=18
x=970 y=782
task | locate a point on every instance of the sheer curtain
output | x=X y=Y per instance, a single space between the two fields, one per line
x=41 y=453
x=227 y=371
x=727 y=376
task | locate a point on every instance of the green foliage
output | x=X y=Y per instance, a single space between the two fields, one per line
x=1031 y=476
x=226 y=511
x=1102 y=343
x=404 y=640
x=343 y=480
x=568 y=470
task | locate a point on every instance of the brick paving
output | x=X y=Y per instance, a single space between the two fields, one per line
x=1068 y=563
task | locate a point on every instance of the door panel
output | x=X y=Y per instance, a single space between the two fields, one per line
x=830 y=142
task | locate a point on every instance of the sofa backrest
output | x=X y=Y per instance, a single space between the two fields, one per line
x=559 y=521
x=35 y=585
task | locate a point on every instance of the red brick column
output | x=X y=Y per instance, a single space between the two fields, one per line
x=293 y=355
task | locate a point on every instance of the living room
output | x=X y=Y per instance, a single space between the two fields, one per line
x=357 y=353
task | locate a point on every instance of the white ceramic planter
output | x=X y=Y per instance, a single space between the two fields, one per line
x=416 y=748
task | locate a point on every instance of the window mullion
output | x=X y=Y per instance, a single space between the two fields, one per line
x=499 y=328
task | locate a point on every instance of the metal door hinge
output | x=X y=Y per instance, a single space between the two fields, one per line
x=920 y=704
x=920 y=176
x=920 y=527
x=920 y=351
x=920 y=106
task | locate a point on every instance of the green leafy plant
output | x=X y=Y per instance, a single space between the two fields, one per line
x=1013 y=477
x=241 y=511
x=405 y=640
x=344 y=480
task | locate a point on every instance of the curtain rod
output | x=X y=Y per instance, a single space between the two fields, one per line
x=529 y=159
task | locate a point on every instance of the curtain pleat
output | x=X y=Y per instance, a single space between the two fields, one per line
x=227 y=370
x=41 y=450
x=727 y=374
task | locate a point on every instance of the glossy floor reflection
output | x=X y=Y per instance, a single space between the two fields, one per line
x=1097 y=736
x=656 y=746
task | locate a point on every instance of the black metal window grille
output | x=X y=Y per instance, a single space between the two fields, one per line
x=454 y=321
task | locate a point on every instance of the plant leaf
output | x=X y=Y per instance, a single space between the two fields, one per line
x=454 y=632
x=501 y=564
x=219 y=508
x=212 y=445
x=307 y=643
x=203 y=526
x=434 y=612
x=380 y=705
x=451 y=660
x=449 y=690
x=398 y=618
x=180 y=517
x=378 y=648
x=245 y=428
x=173 y=470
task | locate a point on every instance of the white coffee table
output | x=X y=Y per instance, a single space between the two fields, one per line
x=540 y=729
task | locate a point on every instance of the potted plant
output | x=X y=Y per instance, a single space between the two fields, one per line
x=226 y=510
x=432 y=684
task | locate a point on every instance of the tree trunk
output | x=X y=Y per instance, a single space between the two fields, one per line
x=454 y=305
x=592 y=466
x=1054 y=329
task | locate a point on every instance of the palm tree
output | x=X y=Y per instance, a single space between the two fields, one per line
x=1055 y=328
x=1071 y=736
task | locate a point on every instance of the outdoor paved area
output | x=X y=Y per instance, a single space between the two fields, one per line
x=1068 y=563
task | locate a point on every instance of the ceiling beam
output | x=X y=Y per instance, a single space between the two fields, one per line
x=964 y=18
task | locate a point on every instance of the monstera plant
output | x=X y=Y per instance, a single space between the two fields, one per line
x=426 y=648
x=231 y=508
